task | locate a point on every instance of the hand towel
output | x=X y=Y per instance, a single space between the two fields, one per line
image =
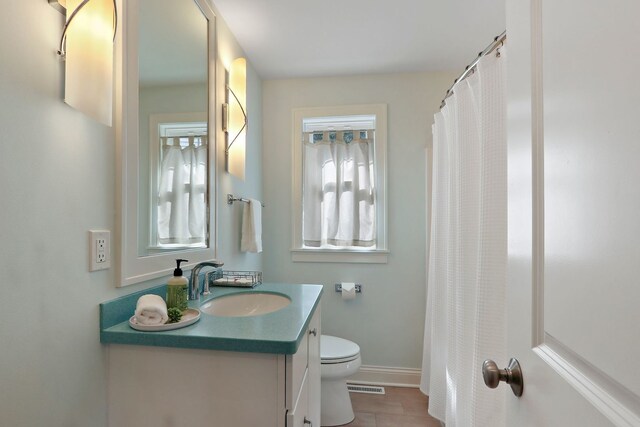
x=151 y=310
x=252 y=227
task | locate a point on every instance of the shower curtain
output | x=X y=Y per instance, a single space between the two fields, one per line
x=465 y=319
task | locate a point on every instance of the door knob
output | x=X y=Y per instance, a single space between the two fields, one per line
x=512 y=375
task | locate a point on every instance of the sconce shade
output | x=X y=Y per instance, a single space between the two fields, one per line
x=237 y=125
x=89 y=59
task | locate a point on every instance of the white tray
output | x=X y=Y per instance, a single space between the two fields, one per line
x=189 y=317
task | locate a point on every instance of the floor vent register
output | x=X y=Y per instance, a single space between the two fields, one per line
x=370 y=389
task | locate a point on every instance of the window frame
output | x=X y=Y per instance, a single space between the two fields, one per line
x=378 y=255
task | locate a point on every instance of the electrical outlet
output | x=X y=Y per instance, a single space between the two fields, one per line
x=99 y=250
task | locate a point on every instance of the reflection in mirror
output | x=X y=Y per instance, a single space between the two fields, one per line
x=165 y=58
x=172 y=58
x=178 y=151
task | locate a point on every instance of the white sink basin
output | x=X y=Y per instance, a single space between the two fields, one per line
x=245 y=304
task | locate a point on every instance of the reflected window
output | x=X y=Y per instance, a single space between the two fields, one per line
x=180 y=186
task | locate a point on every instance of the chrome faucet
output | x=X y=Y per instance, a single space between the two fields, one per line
x=194 y=283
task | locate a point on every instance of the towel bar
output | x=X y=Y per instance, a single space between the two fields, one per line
x=231 y=198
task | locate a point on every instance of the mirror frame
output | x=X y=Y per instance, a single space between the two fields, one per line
x=134 y=268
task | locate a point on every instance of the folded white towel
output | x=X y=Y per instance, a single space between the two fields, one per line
x=151 y=310
x=252 y=227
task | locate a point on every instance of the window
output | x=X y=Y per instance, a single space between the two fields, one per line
x=179 y=181
x=339 y=184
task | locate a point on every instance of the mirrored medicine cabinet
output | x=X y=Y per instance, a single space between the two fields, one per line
x=165 y=90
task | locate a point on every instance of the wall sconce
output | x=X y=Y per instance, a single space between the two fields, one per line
x=234 y=118
x=86 y=46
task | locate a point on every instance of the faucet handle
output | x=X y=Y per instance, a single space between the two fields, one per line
x=207 y=281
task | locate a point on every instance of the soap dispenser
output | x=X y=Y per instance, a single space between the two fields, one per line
x=177 y=288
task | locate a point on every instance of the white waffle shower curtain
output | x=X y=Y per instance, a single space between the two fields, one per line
x=465 y=321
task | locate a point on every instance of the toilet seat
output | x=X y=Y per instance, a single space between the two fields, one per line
x=337 y=350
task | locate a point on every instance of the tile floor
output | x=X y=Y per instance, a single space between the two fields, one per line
x=399 y=407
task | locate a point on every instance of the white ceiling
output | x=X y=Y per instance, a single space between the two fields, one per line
x=303 y=38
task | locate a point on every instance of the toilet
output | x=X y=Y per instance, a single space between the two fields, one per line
x=340 y=358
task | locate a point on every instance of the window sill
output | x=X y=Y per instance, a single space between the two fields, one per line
x=341 y=256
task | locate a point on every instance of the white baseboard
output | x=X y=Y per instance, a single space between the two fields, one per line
x=386 y=375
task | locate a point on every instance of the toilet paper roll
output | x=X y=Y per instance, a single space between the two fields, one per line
x=348 y=290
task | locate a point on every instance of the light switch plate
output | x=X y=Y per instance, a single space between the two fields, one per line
x=99 y=250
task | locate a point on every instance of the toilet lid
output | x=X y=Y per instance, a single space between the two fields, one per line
x=333 y=348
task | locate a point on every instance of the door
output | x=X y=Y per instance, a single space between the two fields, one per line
x=574 y=211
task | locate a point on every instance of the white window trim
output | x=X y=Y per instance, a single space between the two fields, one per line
x=378 y=255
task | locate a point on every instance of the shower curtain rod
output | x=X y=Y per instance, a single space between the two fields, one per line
x=469 y=69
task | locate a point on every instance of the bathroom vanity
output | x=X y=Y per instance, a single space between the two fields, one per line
x=222 y=371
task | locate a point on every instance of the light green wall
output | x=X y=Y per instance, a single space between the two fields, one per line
x=229 y=216
x=387 y=319
x=57 y=173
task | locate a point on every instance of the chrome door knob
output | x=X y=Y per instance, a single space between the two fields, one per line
x=512 y=375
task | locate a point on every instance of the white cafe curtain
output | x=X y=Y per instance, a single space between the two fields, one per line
x=182 y=192
x=338 y=193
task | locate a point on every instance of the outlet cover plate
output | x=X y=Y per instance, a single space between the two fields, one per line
x=99 y=250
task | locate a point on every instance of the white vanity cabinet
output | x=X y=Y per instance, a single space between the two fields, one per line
x=176 y=387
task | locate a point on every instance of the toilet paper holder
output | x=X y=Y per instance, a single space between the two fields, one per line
x=357 y=286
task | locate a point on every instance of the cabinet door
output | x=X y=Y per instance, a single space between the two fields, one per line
x=299 y=416
x=296 y=371
x=314 y=369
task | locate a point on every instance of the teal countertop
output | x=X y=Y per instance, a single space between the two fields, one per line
x=279 y=332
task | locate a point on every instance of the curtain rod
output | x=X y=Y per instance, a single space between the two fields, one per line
x=469 y=69
x=183 y=136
